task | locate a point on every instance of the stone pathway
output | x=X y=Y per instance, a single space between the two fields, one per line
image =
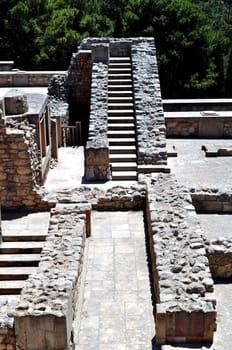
x=117 y=310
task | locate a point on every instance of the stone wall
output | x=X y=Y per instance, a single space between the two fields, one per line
x=79 y=89
x=7 y=338
x=212 y=200
x=183 y=105
x=97 y=162
x=49 y=299
x=181 y=127
x=198 y=126
x=219 y=253
x=149 y=116
x=185 y=309
x=19 y=166
x=117 y=46
x=26 y=78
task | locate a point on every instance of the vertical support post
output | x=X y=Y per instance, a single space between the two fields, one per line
x=54 y=139
x=88 y=222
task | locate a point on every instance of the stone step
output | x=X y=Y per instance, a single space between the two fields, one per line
x=124 y=166
x=121 y=112
x=122 y=149
x=120 y=119
x=11 y=287
x=119 y=70
x=121 y=106
x=120 y=88
x=120 y=94
x=117 y=81
x=19 y=260
x=123 y=157
x=121 y=76
x=124 y=175
x=16 y=273
x=153 y=169
x=120 y=99
x=20 y=247
x=119 y=59
x=121 y=134
x=20 y=237
x=121 y=126
x=119 y=64
x=130 y=141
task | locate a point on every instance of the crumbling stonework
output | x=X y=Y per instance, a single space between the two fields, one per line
x=15 y=102
x=58 y=95
x=196 y=124
x=79 y=88
x=20 y=166
x=185 y=309
x=97 y=163
x=48 y=300
x=212 y=200
x=149 y=116
x=219 y=253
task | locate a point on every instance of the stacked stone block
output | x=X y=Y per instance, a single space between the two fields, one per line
x=185 y=302
x=79 y=88
x=97 y=163
x=48 y=300
x=149 y=115
x=19 y=166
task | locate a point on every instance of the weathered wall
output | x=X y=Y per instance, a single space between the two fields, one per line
x=217 y=127
x=48 y=300
x=19 y=166
x=185 y=309
x=97 y=162
x=219 y=253
x=79 y=89
x=149 y=116
x=26 y=78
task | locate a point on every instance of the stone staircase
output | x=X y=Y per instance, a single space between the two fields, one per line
x=19 y=257
x=121 y=124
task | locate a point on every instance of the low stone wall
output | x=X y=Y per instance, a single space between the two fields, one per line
x=97 y=162
x=20 y=167
x=181 y=127
x=185 y=309
x=212 y=200
x=48 y=301
x=198 y=125
x=219 y=253
x=26 y=78
x=214 y=104
x=149 y=116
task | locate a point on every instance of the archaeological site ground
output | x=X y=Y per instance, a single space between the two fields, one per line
x=116 y=207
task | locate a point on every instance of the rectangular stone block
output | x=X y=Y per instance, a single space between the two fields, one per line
x=97 y=156
x=43 y=332
x=160 y=324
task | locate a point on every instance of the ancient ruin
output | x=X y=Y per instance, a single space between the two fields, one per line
x=114 y=252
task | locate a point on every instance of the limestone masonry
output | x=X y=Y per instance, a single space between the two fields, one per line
x=108 y=102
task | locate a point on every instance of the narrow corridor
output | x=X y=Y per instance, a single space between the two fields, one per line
x=117 y=310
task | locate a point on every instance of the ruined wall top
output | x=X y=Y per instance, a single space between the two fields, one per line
x=118 y=46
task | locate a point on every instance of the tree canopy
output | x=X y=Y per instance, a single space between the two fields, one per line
x=193 y=37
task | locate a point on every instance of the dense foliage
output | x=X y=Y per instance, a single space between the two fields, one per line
x=193 y=37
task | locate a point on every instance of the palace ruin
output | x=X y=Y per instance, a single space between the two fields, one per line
x=108 y=104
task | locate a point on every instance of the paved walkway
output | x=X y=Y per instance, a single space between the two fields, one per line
x=193 y=169
x=117 y=311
